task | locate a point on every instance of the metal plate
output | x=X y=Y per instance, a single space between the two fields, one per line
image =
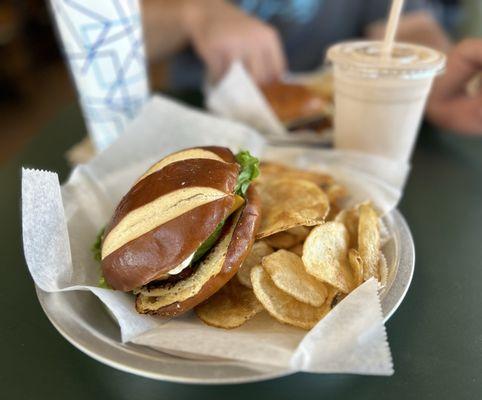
x=84 y=322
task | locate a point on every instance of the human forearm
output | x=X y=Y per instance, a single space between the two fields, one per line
x=449 y=105
x=219 y=32
x=166 y=25
x=416 y=27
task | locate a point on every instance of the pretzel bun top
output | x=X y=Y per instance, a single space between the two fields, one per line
x=170 y=211
x=291 y=102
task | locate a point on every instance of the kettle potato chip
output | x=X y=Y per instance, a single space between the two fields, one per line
x=289 y=238
x=334 y=190
x=259 y=250
x=287 y=203
x=325 y=255
x=356 y=264
x=299 y=232
x=288 y=273
x=282 y=306
x=350 y=218
x=230 y=307
x=335 y=193
x=297 y=249
x=369 y=241
x=303 y=266
x=271 y=170
x=281 y=240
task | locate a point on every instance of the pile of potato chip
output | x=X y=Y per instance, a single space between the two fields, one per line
x=309 y=254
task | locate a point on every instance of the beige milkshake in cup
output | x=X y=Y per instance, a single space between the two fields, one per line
x=380 y=99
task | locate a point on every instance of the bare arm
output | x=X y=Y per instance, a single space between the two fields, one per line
x=164 y=27
x=219 y=32
x=415 y=27
x=449 y=105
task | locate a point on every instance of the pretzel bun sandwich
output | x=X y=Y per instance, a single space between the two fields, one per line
x=183 y=229
x=297 y=106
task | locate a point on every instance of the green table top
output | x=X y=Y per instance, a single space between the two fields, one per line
x=435 y=336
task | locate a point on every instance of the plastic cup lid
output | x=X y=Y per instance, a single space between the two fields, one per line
x=408 y=61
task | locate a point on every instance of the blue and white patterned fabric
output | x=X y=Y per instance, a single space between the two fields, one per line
x=103 y=43
x=306 y=27
x=294 y=11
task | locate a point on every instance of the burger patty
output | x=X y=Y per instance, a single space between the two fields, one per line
x=170 y=280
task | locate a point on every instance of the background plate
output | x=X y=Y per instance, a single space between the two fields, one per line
x=81 y=318
x=303 y=138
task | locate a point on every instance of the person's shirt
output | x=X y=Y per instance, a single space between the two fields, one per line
x=307 y=29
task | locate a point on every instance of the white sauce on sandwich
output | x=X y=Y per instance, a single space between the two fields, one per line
x=181 y=266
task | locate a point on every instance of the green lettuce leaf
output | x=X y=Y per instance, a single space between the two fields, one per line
x=96 y=247
x=208 y=243
x=96 y=252
x=103 y=283
x=249 y=171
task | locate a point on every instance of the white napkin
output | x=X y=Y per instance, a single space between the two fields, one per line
x=60 y=225
x=237 y=97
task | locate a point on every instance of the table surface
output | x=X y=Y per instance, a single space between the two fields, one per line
x=435 y=336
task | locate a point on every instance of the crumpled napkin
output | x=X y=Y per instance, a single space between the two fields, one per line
x=60 y=225
x=238 y=98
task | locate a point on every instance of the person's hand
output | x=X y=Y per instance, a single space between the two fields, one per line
x=222 y=33
x=449 y=105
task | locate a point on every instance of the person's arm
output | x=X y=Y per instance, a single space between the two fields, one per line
x=219 y=32
x=415 y=27
x=449 y=106
x=164 y=27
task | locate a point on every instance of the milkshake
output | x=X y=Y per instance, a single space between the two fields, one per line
x=379 y=99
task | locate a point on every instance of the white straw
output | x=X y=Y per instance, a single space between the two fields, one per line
x=392 y=25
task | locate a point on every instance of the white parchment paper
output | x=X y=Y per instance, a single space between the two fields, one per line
x=60 y=225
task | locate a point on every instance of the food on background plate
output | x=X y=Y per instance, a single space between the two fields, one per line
x=183 y=236
x=321 y=82
x=183 y=229
x=298 y=106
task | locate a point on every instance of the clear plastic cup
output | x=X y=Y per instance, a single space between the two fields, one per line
x=379 y=101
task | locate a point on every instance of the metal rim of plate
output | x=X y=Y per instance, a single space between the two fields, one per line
x=83 y=321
